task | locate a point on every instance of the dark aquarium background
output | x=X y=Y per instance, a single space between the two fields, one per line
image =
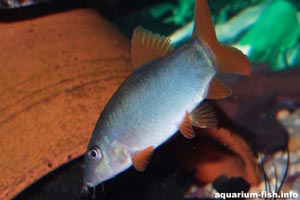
x=259 y=123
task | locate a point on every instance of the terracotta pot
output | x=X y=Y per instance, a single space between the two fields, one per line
x=57 y=72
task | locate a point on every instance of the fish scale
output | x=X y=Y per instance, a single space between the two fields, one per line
x=184 y=95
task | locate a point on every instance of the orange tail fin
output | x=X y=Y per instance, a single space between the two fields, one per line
x=228 y=59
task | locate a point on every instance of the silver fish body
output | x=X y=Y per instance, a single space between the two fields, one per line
x=160 y=97
x=148 y=108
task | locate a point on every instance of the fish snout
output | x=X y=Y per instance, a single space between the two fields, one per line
x=88 y=184
x=87 y=192
x=88 y=179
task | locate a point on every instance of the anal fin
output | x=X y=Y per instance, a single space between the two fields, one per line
x=141 y=159
x=217 y=90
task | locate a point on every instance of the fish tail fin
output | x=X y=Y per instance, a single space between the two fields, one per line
x=228 y=59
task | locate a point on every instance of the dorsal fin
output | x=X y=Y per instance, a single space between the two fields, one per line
x=141 y=159
x=228 y=59
x=146 y=46
x=217 y=90
x=203 y=116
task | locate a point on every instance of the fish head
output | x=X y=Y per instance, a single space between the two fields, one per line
x=104 y=159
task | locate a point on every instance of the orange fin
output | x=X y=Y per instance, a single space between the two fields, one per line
x=204 y=29
x=146 y=46
x=141 y=159
x=186 y=128
x=217 y=90
x=231 y=60
x=228 y=59
x=203 y=116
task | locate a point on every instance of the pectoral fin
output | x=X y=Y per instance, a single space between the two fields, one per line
x=217 y=90
x=146 y=46
x=203 y=116
x=141 y=159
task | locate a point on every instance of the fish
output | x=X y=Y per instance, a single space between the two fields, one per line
x=166 y=92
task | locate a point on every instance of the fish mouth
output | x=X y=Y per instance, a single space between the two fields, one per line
x=89 y=184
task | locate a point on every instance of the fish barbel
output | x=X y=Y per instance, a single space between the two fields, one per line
x=163 y=94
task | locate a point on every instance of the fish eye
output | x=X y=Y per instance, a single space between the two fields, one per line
x=95 y=154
